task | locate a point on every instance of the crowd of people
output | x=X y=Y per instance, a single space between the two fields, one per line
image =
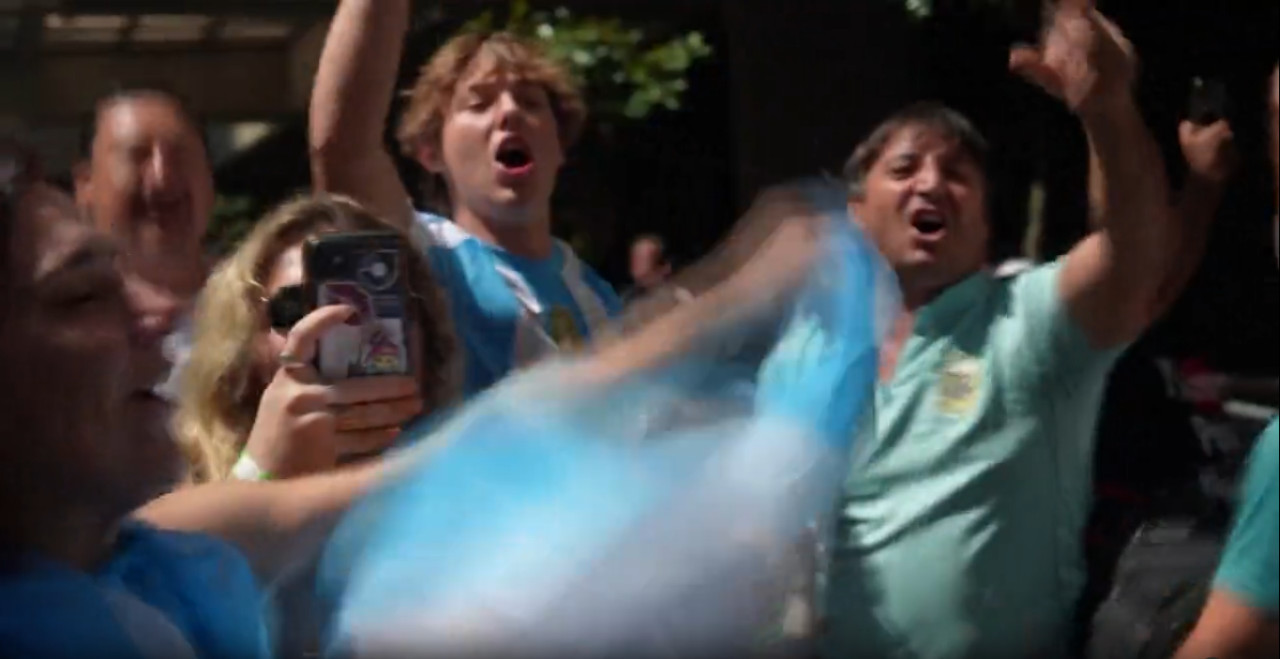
x=191 y=462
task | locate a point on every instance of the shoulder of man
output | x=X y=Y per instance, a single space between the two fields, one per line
x=1051 y=342
x=431 y=230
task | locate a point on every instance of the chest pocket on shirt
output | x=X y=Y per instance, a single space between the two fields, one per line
x=961 y=379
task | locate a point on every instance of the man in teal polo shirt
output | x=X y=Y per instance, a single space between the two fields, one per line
x=959 y=533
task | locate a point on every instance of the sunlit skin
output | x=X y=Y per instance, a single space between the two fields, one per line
x=149 y=185
x=924 y=205
x=78 y=326
x=504 y=201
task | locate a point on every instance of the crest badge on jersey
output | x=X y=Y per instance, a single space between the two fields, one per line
x=564 y=329
x=959 y=383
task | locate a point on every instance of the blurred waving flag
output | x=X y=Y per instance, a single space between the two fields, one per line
x=657 y=514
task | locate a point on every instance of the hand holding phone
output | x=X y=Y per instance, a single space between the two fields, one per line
x=305 y=425
x=1208 y=102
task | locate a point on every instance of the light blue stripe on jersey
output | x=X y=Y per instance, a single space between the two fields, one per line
x=160 y=595
x=510 y=311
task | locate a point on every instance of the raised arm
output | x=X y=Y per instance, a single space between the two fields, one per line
x=1211 y=159
x=1210 y=155
x=354 y=87
x=1113 y=280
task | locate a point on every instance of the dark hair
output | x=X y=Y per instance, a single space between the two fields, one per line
x=927 y=114
x=89 y=131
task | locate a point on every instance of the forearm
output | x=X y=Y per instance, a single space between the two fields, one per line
x=277 y=525
x=1133 y=215
x=1230 y=629
x=354 y=86
x=1127 y=176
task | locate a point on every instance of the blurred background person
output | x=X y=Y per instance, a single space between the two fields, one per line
x=1147 y=455
x=490 y=116
x=146 y=181
x=1240 y=619
x=649 y=266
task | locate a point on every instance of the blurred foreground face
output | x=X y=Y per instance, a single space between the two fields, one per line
x=500 y=145
x=149 y=184
x=80 y=346
x=924 y=205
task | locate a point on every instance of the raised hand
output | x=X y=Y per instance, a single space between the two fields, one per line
x=1209 y=150
x=305 y=426
x=1083 y=59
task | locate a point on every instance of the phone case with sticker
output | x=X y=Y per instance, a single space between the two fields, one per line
x=365 y=270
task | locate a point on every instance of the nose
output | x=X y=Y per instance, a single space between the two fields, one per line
x=155 y=310
x=161 y=172
x=508 y=109
x=928 y=179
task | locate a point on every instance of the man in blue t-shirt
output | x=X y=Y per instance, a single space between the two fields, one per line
x=489 y=116
x=85 y=441
x=1240 y=618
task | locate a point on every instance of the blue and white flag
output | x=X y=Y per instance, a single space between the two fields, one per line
x=651 y=517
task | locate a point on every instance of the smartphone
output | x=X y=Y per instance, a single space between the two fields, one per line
x=368 y=271
x=1208 y=102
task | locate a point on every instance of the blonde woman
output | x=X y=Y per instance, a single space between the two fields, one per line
x=250 y=405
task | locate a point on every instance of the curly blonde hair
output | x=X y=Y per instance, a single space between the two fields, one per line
x=429 y=98
x=220 y=388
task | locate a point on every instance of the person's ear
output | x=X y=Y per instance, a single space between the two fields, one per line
x=430 y=157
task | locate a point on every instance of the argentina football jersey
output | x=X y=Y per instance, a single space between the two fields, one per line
x=510 y=311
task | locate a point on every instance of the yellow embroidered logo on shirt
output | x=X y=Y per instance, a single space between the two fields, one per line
x=564 y=329
x=959 y=383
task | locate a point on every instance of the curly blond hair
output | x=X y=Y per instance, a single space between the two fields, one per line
x=220 y=388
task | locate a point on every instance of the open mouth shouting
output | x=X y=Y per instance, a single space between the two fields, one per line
x=930 y=224
x=513 y=158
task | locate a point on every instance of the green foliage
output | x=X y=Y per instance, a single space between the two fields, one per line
x=626 y=72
